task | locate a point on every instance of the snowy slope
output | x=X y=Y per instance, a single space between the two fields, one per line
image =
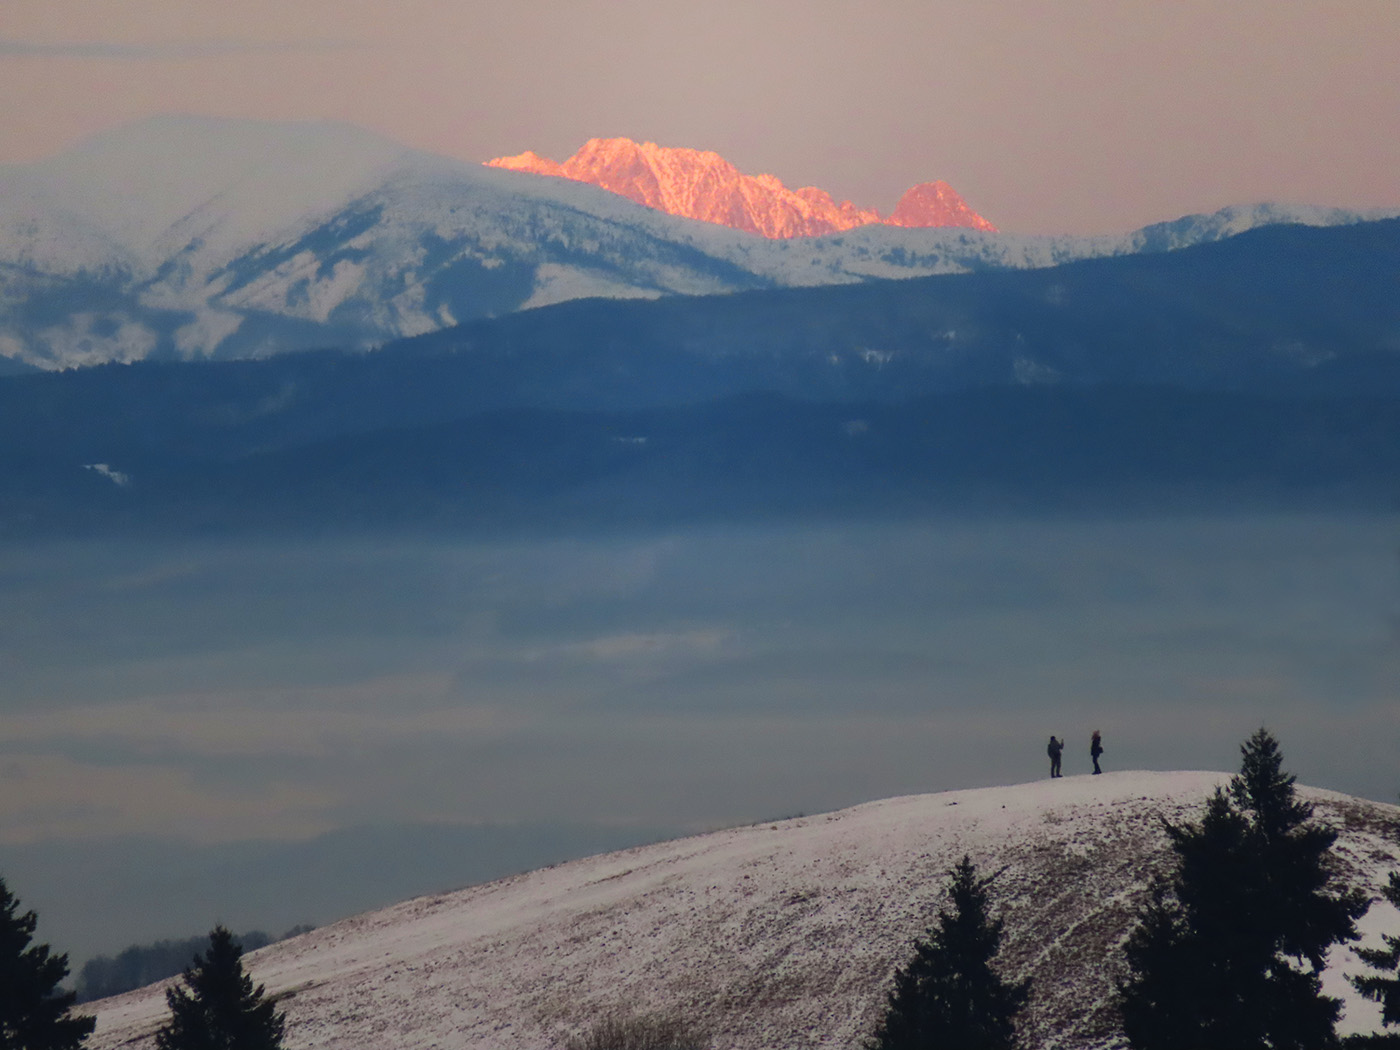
x=182 y=237
x=158 y=184
x=775 y=935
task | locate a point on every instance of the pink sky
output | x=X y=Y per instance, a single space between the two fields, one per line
x=1047 y=115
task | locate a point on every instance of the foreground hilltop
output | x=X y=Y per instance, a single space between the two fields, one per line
x=781 y=934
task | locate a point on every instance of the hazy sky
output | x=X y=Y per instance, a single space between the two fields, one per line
x=1048 y=115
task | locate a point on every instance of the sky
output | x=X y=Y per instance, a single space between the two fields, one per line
x=1049 y=116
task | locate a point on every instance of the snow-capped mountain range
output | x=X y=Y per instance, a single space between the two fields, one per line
x=782 y=934
x=191 y=237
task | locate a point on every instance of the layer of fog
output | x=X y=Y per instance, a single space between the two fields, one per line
x=172 y=706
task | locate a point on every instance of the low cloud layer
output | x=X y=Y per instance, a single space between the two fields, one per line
x=165 y=699
x=688 y=680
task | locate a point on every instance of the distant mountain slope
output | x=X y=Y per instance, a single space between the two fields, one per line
x=191 y=238
x=1259 y=371
x=700 y=184
x=782 y=934
x=184 y=237
x=1281 y=308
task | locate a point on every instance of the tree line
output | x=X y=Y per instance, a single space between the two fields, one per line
x=141 y=964
x=214 y=1007
x=1227 y=954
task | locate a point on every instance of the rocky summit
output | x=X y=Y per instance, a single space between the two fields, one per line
x=699 y=184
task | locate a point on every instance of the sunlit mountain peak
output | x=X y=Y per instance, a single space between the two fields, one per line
x=700 y=184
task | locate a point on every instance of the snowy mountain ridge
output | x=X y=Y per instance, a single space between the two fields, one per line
x=779 y=934
x=700 y=184
x=191 y=237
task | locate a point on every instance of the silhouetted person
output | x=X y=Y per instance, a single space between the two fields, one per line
x=1053 y=749
x=1095 y=750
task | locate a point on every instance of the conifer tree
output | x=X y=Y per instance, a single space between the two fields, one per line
x=221 y=1010
x=1384 y=987
x=948 y=995
x=1229 y=953
x=33 y=1012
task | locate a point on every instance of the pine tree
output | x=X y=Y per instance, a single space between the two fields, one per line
x=1229 y=953
x=1384 y=988
x=948 y=996
x=1180 y=997
x=33 y=1013
x=222 y=1010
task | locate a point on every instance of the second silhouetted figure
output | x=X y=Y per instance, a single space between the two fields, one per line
x=1053 y=749
x=1095 y=750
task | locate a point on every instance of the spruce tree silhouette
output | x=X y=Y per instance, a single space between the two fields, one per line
x=1229 y=952
x=948 y=996
x=222 y=1010
x=33 y=1013
x=1384 y=988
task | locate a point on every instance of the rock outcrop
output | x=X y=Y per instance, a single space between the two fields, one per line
x=700 y=184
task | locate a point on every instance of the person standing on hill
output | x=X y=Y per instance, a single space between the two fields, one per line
x=1095 y=750
x=1053 y=749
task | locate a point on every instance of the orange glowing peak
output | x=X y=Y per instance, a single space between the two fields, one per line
x=699 y=184
x=529 y=161
x=936 y=204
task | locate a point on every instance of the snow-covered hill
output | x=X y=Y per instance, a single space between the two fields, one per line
x=186 y=237
x=777 y=935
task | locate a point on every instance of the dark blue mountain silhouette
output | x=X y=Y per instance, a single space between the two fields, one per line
x=1261 y=368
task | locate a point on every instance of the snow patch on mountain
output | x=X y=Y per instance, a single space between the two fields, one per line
x=164 y=184
x=784 y=933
